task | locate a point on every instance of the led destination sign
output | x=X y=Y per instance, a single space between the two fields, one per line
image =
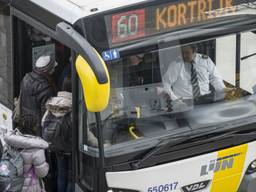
x=152 y=20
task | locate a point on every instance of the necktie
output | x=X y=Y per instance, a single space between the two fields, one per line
x=194 y=81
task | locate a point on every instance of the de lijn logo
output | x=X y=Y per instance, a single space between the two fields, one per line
x=219 y=164
x=196 y=186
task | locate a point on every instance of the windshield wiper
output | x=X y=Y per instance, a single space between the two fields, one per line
x=248 y=56
x=161 y=145
x=179 y=140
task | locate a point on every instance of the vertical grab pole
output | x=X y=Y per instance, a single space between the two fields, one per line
x=74 y=122
x=101 y=153
x=238 y=59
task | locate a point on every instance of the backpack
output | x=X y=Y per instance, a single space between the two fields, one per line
x=57 y=132
x=11 y=171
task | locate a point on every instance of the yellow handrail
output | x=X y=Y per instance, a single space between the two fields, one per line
x=131 y=131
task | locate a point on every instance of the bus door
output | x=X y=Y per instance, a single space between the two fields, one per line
x=33 y=38
x=29 y=44
x=5 y=70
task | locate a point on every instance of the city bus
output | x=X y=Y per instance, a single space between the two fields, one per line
x=128 y=134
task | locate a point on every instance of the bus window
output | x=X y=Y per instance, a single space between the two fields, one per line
x=139 y=110
x=226 y=60
x=5 y=68
x=135 y=70
x=87 y=123
x=248 y=57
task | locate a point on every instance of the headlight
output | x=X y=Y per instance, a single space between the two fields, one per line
x=252 y=168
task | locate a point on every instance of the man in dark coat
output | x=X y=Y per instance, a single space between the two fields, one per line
x=36 y=88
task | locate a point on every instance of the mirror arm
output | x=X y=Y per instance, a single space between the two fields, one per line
x=66 y=33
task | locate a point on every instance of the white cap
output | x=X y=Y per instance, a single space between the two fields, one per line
x=45 y=63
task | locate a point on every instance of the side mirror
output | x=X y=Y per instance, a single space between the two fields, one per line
x=90 y=67
x=96 y=95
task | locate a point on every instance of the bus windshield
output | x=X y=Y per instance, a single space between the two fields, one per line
x=168 y=86
x=192 y=88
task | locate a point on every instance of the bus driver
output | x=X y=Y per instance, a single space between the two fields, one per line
x=190 y=77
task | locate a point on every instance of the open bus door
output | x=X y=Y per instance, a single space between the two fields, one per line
x=31 y=37
x=5 y=70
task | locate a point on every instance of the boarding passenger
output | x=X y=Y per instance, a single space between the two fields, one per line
x=35 y=167
x=36 y=88
x=57 y=130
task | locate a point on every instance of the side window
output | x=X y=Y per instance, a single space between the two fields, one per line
x=248 y=58
x=87 y=142
x=228 y=66
x=87 y=125
x=5 y=61
x=226 y=60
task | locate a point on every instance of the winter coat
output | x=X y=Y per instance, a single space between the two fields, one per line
x=58 y=107
x=58 y=116
x=35 y=165
x=36 y=89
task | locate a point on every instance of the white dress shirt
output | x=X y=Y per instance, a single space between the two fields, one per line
x=177 y=79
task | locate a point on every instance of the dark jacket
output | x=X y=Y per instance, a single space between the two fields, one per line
x=36 y=89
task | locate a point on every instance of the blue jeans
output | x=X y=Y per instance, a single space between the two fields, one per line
x=64 y=173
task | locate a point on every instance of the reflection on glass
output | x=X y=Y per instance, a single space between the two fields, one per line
x=180 y=88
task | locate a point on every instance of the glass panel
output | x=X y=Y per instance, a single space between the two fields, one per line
x=248 y=57
x=182 y=83
x=157 y=90
x=5 y=62
x=179 y=88
x=226 y=60
x=87 y=125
